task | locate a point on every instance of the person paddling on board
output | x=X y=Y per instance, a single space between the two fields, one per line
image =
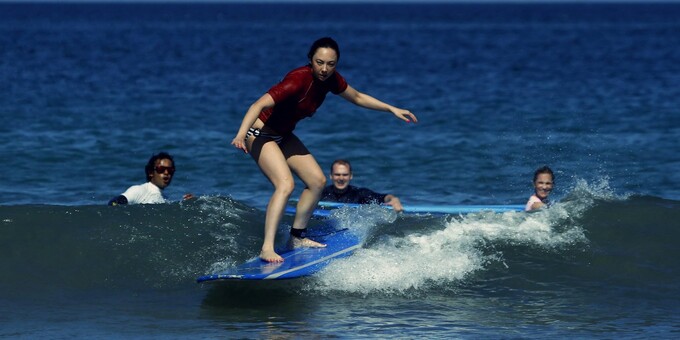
x=266 y=132
x=543 y=185
x=159 y=171
x=341 y=191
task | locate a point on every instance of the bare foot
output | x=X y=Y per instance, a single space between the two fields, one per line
x=270 y=267
x=296 y=242
x=270 y=256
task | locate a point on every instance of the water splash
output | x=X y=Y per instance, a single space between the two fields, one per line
x=448 y=251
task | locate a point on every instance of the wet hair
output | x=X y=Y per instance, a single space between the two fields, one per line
x=544 y=170
x=325 y=42
x=149 y=168
x=342 y=162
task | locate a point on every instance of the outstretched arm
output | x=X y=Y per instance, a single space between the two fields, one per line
x=265 y=102
x=361 y=99
x=394 y=201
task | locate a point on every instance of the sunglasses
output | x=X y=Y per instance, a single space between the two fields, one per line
x=161 y=169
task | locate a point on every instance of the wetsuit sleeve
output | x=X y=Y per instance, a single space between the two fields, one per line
x=118 y=200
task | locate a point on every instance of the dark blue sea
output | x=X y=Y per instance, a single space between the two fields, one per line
x=88 y=92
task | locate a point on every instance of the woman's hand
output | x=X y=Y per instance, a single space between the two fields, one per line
x=404 y=115
x=239 y=142
x=265 y=102
x=361 y=99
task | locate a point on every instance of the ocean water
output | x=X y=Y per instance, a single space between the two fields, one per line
x=88 y=92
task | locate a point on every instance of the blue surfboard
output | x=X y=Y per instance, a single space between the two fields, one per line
x=297 y=262
x=327 y=208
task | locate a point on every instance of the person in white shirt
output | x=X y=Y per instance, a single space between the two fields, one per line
x=159 y=171
x=544 y=180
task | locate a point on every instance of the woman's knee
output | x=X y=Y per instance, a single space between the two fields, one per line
x=317 y=183
x=285 y=187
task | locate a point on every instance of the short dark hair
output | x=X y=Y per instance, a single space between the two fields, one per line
x=341 y=162
x=325 y=42
x=149 y=168
x=544 y=170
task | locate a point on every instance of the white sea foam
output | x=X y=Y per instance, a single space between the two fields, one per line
x=448 y=253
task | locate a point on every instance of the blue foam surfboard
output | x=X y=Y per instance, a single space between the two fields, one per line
x=297 y=262
x=418 y=209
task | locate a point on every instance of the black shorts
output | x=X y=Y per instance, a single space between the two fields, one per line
x=289 y=144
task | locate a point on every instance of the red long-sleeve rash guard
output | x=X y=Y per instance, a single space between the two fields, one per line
x=298 y=96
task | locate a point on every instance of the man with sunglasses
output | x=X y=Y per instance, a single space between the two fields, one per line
x=159 y=171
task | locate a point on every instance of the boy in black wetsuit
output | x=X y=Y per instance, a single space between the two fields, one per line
x=341 y=191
